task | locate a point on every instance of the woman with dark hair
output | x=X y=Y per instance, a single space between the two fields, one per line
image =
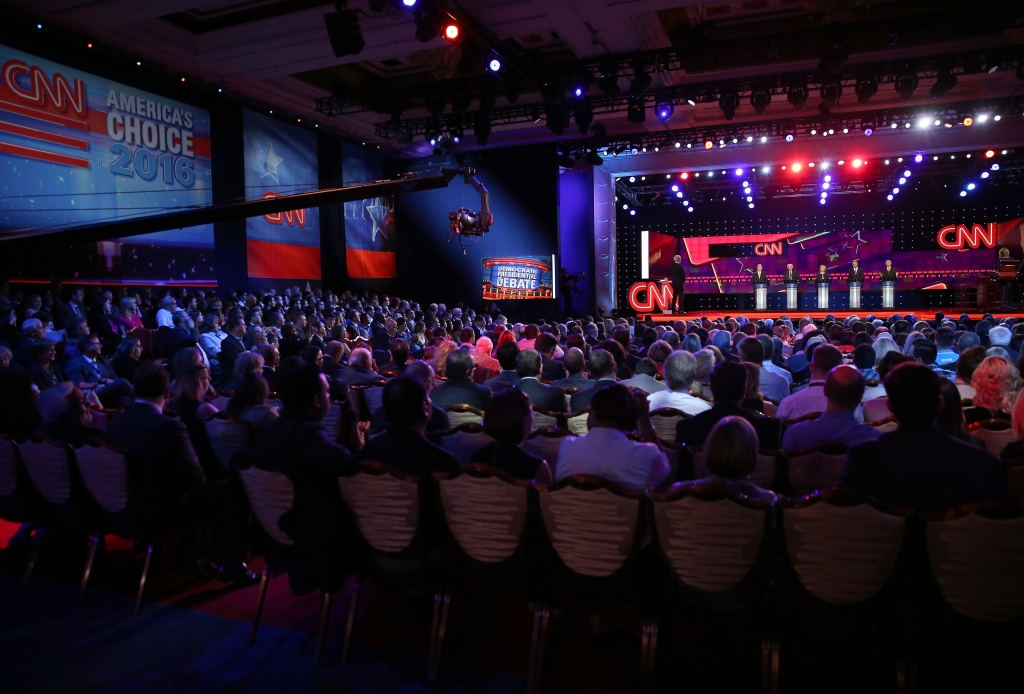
x=951 y=419
x=190 y=387
x=731 y=454
x=45 y=372
x=508 y=420
x=752 y=398
x=126 y=358
x=248 y=402
x=691 y=343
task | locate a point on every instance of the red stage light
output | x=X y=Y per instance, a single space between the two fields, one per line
x=684 y=175
x=990 y=153
x=796 y=167
x=857 y=163
x=451 y=32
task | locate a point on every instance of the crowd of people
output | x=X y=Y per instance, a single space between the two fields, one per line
x=280 y=362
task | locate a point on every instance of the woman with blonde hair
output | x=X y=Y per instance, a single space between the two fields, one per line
x=731 y=454
x=883 y=345
x=441 y=357
x=995 y=382
x=128 y=316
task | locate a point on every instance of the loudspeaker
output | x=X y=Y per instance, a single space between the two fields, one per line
x=344 y=33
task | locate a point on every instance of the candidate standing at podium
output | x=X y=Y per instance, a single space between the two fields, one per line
x=822 y=275
x=856 y=274
x=678 y=276
x=760 y=281
x=889 y=273
x=790 y=275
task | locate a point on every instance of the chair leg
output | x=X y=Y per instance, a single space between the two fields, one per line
x=540 y=628
x=94 y=543
x=773 y=680
x=351 y=620
x=264 y=583
x=322 y=634
x=33 y=555
x=649 y=653
x=142 y=581
x=435 y=663
x=434 y=622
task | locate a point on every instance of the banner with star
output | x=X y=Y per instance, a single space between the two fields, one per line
x=280 y=159
x=369 y=224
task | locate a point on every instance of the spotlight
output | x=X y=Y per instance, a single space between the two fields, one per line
x=944 y=82
x=924 y=122
x=708 y=144
x=841 y=162
x=750 y=138
x=997 y=118
x=632 y=213
x=822 y=201
x=984 y=174
x=751 y=205
x=830 y=92
x=796 y=166
x=895 y=191
x=967 y=121
x=747 y=190
x=451 y=32
x=593 y=158
x=482 y=128
x=918 y=158
x=764 y=138
x=760 y=98
x=989 y=153
x=906 y=84
x=963 y=193
x=828 y=179
x=790 y=137
x=857 y=163
x=868 y=130
x=907 y=173
x=663 y=109
x=584 y=115
x=889 y=196
x=494 y=65
x=408 y=3
x=729 y=102
x=679 y=195
x=632 y=179
x=894 y=126
x=814 y=131
x=678 y=145
x=689 y=209
x=826 y=186
x=739 y=172
x=684 y=175
x=675 y=189
x=797 y=95
x=971 y=186
x=641 y=81
x=982 y=117
x=866 y=88
x=995 y=167
x=635 y=111
x=903 y=180
x=750 y=198
x=609 y=81
x=428 y=22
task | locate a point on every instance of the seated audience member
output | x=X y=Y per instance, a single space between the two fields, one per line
x=706 y=360
x=1000 y=336
x=509 y=420
x=645 y=380
x=44 y=370
x=544 y=397
x=917 y=465
x=245 y=363
x=6 y=355
x=575 y=363
x=924 y=351
x=658 y=353
x=126 y=358
x=728 y=385
x=1015 y=449
x=602 y=371
x=232 y=345
x=995 y=382
x=487 y=367
x=680 y=368
x=359 y=370
x=768 y=344
x=731 y=454
x=271 y=361
x=606 y=451
x=66 y=416
x=753 y=399
x=551 y=369
x=506 y=356
x=864 y=361
x=189 y=401
x=404 y=444
x=91 y=370
x=951 y=417
x=438 y=423
x=459 y=389
x=248 y=402
x=773 y=386
x=297 y=445
x=812 y=399
x=970 y=359
x=399 y=358
x=945 y=356
x=445 y=348
x=182 y=335
x=333 y=352
x=844 y=387
x=889 y=361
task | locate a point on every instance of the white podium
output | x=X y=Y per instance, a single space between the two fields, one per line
x=822 y=295
x=888 y=293
x=791 y=296
x=855 y=294
x=760 y=297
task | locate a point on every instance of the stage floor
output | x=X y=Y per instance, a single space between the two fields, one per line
x=797 y=314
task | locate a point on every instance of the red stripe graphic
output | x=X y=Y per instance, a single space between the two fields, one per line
x=42 y=115
x=369 y=264
x=282 y=261
x=42 y=135
x=42 y=155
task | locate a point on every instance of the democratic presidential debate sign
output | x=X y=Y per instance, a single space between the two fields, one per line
x=519 y=277
x=78 y=149
x=280 y=159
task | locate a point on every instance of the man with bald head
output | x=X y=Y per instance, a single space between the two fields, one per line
x=575 y=363
x=843 y=389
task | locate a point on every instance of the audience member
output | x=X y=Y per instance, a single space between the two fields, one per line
x=731 y=454
x=773 y=386
x=438 y=422
x=728 y=386
x=359 y=371
x=575 y=363
x=509 y=420
x=680 y=368
x=91 y=371
x=44 y=370
x=126 y=358
x=995 y=382
x=951 y=415
x=459 y=389
x=843 y=389
x=543 y=397
x=602 y=371
x=812 y=400
x=66 y=416
x=248 y=402
x=506 y=355
x=1015 y=450
x=645 y=378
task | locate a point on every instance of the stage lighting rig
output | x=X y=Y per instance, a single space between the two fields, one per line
x=866 y=88
x=945 y=80
x=797 y=95
x=760 y=97
x=729 y=102
x=343 y=31
x=636 y=112
x=664 y=109
x=465 y=224
x=906 y=83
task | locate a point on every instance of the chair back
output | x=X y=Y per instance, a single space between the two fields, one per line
x=100 y=419
x=544 y=444
x=486 y=511
x=271 y=495
x=464 y=440
x=48 y=468
x=711 y=539
x=591 y=523
x=221 y=400
x=996 y=433
x=763 y=475
x=386 y=506
x=841 y=545
x=330 y=420
x=228 y=435
x=543 y=419
x=464 y=414
x=821 y=467
x=145 y=339
x=577 y=422
x=978 y=562
x=8 y=467
x=105 y=476
x=876 y=409
x=374 y=396
x=884 y=425
x=664 y=421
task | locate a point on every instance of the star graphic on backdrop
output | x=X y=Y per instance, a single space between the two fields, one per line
x=378 y=213
x=857 y=241
x=832 y=254
x=270 y=162
x=942 y=257
x=743 y=269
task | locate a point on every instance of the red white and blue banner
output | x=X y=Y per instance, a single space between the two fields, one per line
x=280 y=159
x=370 y=239
x=518 y=277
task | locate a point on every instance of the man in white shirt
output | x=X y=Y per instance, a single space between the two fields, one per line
x=606 y=451
x=165 y=315
x=812 y=398
x=645 y=380
x=680 y=368
x=767 y=365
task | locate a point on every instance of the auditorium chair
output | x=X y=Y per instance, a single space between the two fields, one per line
x=819 y=467
x=576 y=422
x=764 y=475
x=228 y=435
x=462 y=414
x=718 y=548
x=374 y=396
x=544 y=443
x=545 y=418
x=464 y=440
x=996 y=433
x=220 y=401
x=664 y=421
x=876 y=409
x=884 y=425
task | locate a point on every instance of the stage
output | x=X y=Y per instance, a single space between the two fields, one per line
x=796 y=314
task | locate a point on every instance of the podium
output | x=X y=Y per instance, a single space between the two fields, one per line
x=822 y=295
x=791 y=296
x=888 y=293
x=855 y=288
x=760 y=297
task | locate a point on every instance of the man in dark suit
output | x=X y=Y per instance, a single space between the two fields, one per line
x=508 y=378
x=856 y=274
x=91 y=370
x=231 y=346
x=677 y=273
x=602 y=371
x=543 y=397
x=790 y=275
x=74 y=308
x=917 y=465
x=889 y=273
x=728 y=384
x=182 y=336
x=297 y=445
x=759 y=276
x=459 y=389
x=574 y=365
x=551 y=368
x=358 y=371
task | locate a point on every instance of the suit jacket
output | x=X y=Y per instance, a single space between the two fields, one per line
x=889 y=273
x=79 y=370
x=506 y=379
x=179 y=339
x=551 y=369
x=791 y=276
x=407 y=450
x=855 y=275
x=925 y=469
x=760 y=278
x=581 y=400
x=357 y=377
x=677 y=273
x=43 y=378
x=551 y=398
x=819 y=277
x=67 y=312
x=161 y=452
x=463 y=392
x=694 y=430
x=575 y=381
x=230 y=348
